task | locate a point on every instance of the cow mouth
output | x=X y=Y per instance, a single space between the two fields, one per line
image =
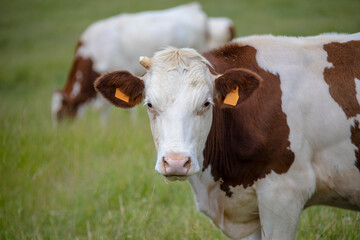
x=176 y=177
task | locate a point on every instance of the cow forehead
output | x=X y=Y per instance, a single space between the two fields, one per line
x=178 y=74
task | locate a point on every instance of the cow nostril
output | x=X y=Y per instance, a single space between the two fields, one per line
x=187 y=164
x=165 y=163
x=176 y=165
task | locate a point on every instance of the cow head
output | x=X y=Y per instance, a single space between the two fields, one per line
x=179 y=90
x=61 y=107
x=64 y=107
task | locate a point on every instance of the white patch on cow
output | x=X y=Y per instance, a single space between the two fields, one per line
x=56 y=103
x=175 y=123
x=201 y=193
x=319 y=130
x=219 y=31
x=237 y=216
x=79 y=76
x=76 y=89
x=357 y=87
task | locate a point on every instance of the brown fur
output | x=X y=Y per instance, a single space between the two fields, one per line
x=126 y=82
x=345 y=58
x=247 y=142
x=87 y=92
x=232 y=32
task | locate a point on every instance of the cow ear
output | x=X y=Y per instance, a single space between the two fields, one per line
x=120 y=88
x=236 y=85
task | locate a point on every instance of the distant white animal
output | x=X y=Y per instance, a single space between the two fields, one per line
x=220 y=30
x=117 y=42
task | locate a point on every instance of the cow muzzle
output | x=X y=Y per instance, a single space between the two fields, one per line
x=176 y=166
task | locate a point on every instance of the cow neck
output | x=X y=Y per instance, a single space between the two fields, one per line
x=247 y=142
x=82 y=73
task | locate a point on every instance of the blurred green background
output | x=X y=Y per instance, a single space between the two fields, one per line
x=84 y=181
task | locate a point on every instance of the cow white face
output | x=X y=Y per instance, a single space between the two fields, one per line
x=178 y=90
x=179 y=95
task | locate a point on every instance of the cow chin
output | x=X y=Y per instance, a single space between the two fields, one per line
x=176 y=178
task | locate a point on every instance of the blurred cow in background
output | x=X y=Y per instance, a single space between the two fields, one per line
x=117 y=42
x=220 y=31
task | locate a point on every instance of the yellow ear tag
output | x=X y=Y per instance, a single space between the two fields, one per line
x=232 y=97
x=122 y=96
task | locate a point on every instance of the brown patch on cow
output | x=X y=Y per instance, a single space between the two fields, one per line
x=71 y=104
x=345 y=58
x=232 y=32
x=126 y=82
x=247 y=142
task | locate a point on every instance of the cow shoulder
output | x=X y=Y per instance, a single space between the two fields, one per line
x=248 y=142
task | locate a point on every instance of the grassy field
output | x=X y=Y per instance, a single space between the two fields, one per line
x=84 y=181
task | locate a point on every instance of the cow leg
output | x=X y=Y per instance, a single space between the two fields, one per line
x=282 y=197
x=279 y=223
x=255 y=236
x=279 y=213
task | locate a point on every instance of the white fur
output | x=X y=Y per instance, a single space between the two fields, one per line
x=176 y=104
x=56 y=103
x=357 y=84
x=219 y=31
x=76 y=89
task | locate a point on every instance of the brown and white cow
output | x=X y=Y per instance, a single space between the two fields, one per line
x=262 y=127
x=115 y=43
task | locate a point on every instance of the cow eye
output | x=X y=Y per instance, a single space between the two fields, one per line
x=205 y=107
x=150 y=107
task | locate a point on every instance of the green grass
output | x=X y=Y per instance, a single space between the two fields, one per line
x=84 y=181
